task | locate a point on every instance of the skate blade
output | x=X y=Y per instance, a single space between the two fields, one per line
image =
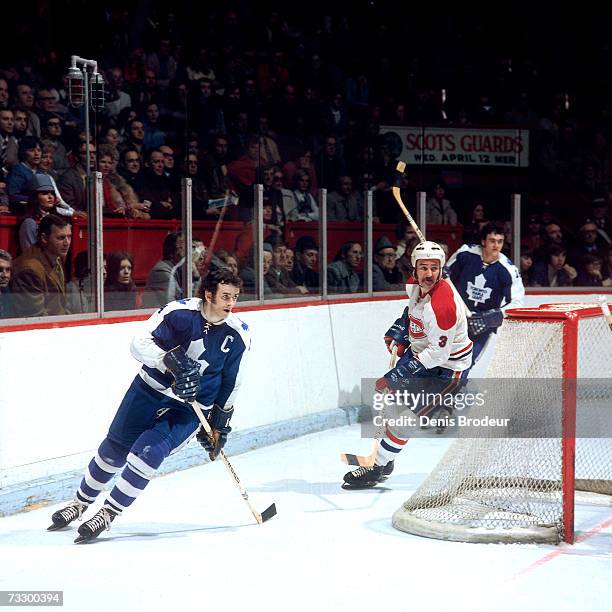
x=55 y=527
x=83 y=539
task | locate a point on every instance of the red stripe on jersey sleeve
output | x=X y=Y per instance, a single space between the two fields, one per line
x=443 y=305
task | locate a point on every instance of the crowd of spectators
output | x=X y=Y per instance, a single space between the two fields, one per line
x=231 y=97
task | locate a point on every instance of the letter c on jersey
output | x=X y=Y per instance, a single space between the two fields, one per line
x=416 y=327
x=224 y=347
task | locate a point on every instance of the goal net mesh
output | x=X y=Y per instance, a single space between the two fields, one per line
x=507 y=488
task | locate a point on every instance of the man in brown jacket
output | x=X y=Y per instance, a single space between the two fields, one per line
x=38 y=284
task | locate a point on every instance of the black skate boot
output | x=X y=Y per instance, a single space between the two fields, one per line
x=367 y=477
x=100 y=522
x=62 y=518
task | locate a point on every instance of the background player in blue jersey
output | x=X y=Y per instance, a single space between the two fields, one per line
x=488 y=282
x=191 y=349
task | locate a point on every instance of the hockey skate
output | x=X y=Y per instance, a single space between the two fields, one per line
x=92 y=528
x=62 y=518
x=367 y=477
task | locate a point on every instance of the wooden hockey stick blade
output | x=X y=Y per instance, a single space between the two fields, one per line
x=268 y=513
x=360 y=460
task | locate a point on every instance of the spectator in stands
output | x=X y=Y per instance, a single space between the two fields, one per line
x=228 y=259
x=135 y=135
x=602 y=219
x=472 y=229
x=242 y=172
x=303 y=161
x=532 y=238
x=554 y=271
x=278 y=277
x=9 y=147
x=38 y=282
x=41 y=203
x=305 y=207
x=116 y=98
x=4 y=94
x=345 y=203
x=590 y=272
x=215 y=169
x=153 y=185
x=170 y=169
x=130 y=166
x=305 y=272
x=386 y=275
x=6 y=299
x=164 y=280
x=329 y=164
x=45 y=105
x=110 y=136
x=24 y=98
x=268 y=148
x=120 y=199
x=206 y=110
x=119 y=288
x=342 y=273
x=289 y=260
x=590 y=243
x=72 y=184
x=20 y=117
x=199 y=194
x=439 y=210
x=526 y=264
x=407 y=240
x=274 y=193
x=154 y=137
x=22 y=174
x=52 y=131
x=551 y=236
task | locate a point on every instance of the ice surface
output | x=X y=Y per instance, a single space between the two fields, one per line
x=190 y=543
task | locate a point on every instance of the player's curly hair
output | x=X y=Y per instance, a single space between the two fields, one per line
x=216 y=277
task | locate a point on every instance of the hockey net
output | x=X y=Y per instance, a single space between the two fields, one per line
x=505 y=488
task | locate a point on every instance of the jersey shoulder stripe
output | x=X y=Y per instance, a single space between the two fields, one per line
x=443 y=305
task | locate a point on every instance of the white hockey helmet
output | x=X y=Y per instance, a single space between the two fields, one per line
x=428 y=250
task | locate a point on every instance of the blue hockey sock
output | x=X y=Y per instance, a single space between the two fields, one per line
x=145 y=456
x=109 y=459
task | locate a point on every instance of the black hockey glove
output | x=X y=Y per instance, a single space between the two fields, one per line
x=219 y=423
x=481 y=322
x=186 y=372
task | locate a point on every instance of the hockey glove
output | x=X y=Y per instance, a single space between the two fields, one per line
x=481 y=322
x=186 y=373
x=392 y=380
x=219 y=423
x=397 y=335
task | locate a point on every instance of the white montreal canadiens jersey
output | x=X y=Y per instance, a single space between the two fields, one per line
x=438 y=327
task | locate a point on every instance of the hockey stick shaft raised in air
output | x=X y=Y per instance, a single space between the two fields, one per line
x=269 y=512
x=368 y=460
x=399 y=170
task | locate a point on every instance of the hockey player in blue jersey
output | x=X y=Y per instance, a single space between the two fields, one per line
x=488 y=282
x=191 y=349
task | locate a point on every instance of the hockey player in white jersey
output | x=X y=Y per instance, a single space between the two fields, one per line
x=432 y=342
x=191 y=349
x=488 y=282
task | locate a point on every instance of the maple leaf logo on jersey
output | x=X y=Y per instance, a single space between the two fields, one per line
x=416 y=327
x=477 y=291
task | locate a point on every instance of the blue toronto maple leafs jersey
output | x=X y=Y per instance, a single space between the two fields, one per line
x=484 y=286
x=220 y=349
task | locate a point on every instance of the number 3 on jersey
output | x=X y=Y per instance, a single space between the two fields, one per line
x=442 y=342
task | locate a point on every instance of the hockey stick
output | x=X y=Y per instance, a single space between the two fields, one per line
x=399 y=170
x=270 y=511
x=603 y=304
x=368 y=460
